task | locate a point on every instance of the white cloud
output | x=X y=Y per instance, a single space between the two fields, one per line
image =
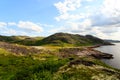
x=74 y=27
x=102 y=20
x=108 y=14
x=90 y=0
x=111 y=8
x=25 y=25
x=78 y=27
x=71 y=10
x=12 y=24
x=67 y=6
x=20 y=28
x=108 y=32
x=9 y=31
x=115 y=35
x=29 y=26
x=97 y=32
x=72 y=17
x=3 y=24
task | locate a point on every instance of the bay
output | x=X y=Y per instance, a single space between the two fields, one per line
x=115 y=51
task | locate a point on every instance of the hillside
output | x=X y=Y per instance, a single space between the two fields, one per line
x=57 y=39
x=19 y=49
x=23 y=40
x=65 y=39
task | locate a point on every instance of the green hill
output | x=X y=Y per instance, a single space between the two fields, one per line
x=57 y=39
x=65 y=39
x=23 y=40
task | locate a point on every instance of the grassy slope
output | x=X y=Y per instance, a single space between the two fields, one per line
x=23 y=40
x=51 y=66
x=57 y=39
x=73 y=40
x=30 y=67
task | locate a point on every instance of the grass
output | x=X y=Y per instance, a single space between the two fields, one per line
x=50 y=66
x=98 y=71
x=3 y=51
x=28 y=68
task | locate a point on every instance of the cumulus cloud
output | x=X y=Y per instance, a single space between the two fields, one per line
x=107 y=32
x=102 y=20
x=74 y=27
x=69 y=10
x=67 y=6
x=108 y=14
x=90 y=0
x=29 y=26
x=20 y=28
x=25 y=25
x=3 y=24
x=12 y=24
x=9 y=31
x=111 y=8
x=72 y=17
x=115 y=35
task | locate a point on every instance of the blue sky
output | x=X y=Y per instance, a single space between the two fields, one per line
x=42 y=18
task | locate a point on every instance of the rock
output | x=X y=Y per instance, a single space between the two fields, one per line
x=86 y=63
x=82 y=52
x=103 y=56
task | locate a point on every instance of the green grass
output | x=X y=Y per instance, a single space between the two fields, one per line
x=50 y=66
x=99 y=71
x=3 y=51
x=28 y=68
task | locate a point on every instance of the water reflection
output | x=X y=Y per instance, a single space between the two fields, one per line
x=115 y=50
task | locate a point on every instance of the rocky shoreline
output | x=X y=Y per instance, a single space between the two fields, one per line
x=95 y=46
x=78 y=51
x=83 y=52
x=99 y=54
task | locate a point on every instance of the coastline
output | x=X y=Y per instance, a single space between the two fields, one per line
x=99 y=54
x=114 y=50
x=99 y=45
x=85 y=52
x=85 y=62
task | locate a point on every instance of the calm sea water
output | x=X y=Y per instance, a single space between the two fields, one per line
x=115 y=50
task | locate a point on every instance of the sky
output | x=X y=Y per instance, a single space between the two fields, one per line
x=100 y=18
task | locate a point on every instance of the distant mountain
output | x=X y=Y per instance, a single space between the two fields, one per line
x=114 y=41
x=65 y=39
